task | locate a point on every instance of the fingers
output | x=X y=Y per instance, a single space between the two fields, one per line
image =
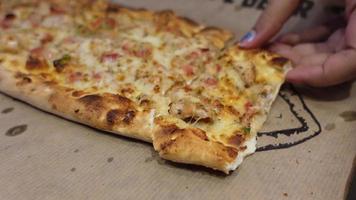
x=337 y=40
x=316 y=34
x=269 y=23
x=286 y=51
x=350 y=32
x=302 y=51
x=337 y=68
x=350 y=7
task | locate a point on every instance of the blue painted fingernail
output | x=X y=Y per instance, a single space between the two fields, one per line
x=248 y=37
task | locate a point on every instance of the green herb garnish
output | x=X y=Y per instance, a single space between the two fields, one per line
x=246 y=130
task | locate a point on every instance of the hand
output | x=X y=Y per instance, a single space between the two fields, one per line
x=316 y=63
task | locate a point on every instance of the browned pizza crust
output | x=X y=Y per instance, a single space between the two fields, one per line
x=108 y=112
x=191 y=145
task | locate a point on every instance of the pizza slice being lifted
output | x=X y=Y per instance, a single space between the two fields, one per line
x=153 y=76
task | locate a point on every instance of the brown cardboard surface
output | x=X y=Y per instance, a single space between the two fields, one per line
x=306 y=150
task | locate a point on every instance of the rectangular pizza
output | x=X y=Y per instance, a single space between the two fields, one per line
x=148 y=75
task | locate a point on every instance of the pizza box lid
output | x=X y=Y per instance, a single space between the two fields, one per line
x=305 y=151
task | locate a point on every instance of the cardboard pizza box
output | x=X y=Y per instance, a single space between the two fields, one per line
x=305 y=151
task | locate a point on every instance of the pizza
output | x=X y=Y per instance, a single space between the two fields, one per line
x=154 y=76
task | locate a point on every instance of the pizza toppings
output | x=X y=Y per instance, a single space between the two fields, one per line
x=109 y=57
x=188 y=70
x=190 y=111
x=75 y=77
x=59 y=64
x=247 y=72
x=7 y=21
x=103 y=23
x=210 y=81
x=35 y=63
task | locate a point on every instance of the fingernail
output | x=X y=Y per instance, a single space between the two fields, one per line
x=248 y=37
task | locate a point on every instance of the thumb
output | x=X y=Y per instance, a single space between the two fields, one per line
x=269 y=23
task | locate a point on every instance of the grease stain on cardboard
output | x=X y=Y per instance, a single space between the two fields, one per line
x=330 y=126
x=7 y=110
x=16 y=130
x=155 y=156
x=110 y=159
x=348 y=116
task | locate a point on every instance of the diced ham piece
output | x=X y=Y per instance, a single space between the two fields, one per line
x=97 y=76
x=188 y=70
x=56 y=10
x=69 y=40
x=192 y=56
x=76 y=76
x=109 y=57
x=47 y=38
x=211 y=81
x=110 y=22
x=37 y=52
x=248 y=105
x=218 y=68
x=126 y=47
x=96 y=23
x=142 y=53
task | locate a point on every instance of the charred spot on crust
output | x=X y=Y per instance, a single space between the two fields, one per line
x=236 y=140
x=166 y=144
x=78 y=93
x=35 y=63
x=169 y=129
x=129 y=116
x=112 y=116
x=23 y=78
x=93 y=103
x=117 y=115
x=232 y=152
x=90 y=99
x=279 y=61
x=76 y=111
x=201 y=134
x=122 y=100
